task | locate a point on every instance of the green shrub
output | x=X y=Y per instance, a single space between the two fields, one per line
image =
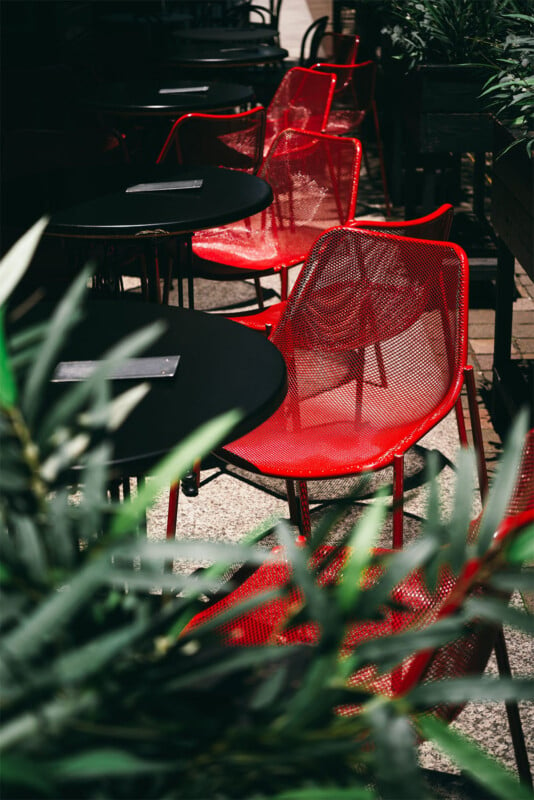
x=451 y=31
x=102 y=694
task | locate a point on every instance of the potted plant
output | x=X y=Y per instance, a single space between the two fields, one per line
x=437 y=57
x=103 y=692
x=509 y=94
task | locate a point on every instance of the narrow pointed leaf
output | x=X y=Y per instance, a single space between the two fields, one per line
x=173 y=468
x=474 y=761
x=17 y=260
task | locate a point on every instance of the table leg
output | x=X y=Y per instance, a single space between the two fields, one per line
x=184 y=268
x=152 y=257
x=183 y=260
x=188 y=250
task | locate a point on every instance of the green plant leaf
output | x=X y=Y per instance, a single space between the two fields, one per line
x=104 y=762
x=49 y=617
x=64 y=318
x=482 y=688
x=396 y=769
x=360 y=544
x=498 y=611
x=17 y=260
x=521 y=549
x=230 y=660
x=516 y=580
x=173 y=468
x=462 y=509
x=503 y=484
x=353 y=792
x=18 y=771
x=269 y=689
x=8 y=386
x=472 y=760
x=74 y=399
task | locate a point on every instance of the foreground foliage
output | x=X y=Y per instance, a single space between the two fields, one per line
x=103 y=695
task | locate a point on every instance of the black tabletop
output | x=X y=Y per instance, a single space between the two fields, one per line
x=222 y=366
x=227 y=35
x=168 y=98
x=204 y=54
x=223 y=196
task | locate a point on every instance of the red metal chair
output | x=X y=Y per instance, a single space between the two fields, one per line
x=301 y=101
x=314 y=179
x=354 y=99
x=374 y=336
x=338 y=48
x=234 y=141
x=435 y=226
x=414 y=607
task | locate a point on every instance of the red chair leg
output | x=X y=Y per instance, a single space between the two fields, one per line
x=398 y=493
x=478 y=441
x=284 y=283
x=460 y=420
x=304 y=507
x=172 y=512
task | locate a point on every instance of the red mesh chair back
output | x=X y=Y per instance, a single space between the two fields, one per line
x=234 y=141
x=301 y=101
x=345 y=412
x=436 y=225
x=354 y=94
x=314 y=179
x=338 y=48
x=354 y=98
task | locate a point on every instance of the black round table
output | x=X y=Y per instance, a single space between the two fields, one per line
x=162 y=209
x=201 y=55
x=222 y=366
x=170 y=99
x=228 y=36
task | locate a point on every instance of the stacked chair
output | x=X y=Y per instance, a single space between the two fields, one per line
x=301 y=101
x=338 y=48
x=314 y=178
x=234 y=141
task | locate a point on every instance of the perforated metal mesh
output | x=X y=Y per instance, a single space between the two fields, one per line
x=234 y=141
x=302 y=100
x=353 y=95
x=415 y=607
x=374 y=339
x=338 y=48
x=314 y=179
x=435 y=226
